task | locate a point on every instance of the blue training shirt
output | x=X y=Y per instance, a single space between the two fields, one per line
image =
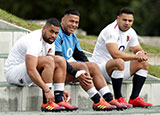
x=66 y=44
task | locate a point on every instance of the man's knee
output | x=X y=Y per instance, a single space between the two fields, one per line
x=60 y=61
x=92 y=66
x=119 y=64
x=82 y=66
x=143 y=65
x=49 y=62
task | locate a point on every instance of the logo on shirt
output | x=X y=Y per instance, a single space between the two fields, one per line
x=122 y=48
x=127 y=38
x=49 y=50
x=69 y=52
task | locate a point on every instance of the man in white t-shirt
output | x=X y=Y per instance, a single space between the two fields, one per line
x=32 y=61
x=117 y=65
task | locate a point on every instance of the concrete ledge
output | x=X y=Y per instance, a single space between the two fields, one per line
x=16 y=98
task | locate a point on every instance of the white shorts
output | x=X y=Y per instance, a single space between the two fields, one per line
x=127 y=74
x=18 y=75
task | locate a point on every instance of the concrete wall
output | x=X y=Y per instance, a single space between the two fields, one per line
x=153 y=41
x=7 y=40
x=2 y=62
x=154 y=59
x=16 y=98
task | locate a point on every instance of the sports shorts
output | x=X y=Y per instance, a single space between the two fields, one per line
x=127 y=74
x=18 y=75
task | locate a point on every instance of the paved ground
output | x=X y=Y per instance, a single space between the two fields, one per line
x=132 y=111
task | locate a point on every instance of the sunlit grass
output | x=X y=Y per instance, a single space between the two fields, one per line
x=18 y=21
x=154 y=70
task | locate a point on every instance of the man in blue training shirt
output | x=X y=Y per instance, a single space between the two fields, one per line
x=87 y=73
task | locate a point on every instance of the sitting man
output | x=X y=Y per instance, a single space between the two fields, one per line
x=32 y=61
x=87 y=73
x=117 y=65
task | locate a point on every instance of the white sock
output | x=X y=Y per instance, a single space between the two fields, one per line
x=142 y=72
x=92 y=91
x=104 y=90
x=117 y=74
x=49 y=85
x=58 y=86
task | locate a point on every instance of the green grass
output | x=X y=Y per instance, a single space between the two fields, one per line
x=86 y=46
x=89 y=37
x=150 y=49
x=18 y=21
x=154 y=70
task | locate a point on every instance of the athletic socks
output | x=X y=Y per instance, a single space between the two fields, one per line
x=93 y=94
x=96 y=98
x=116 y=84
x=58 y=92
x=138 y=82
x=108 y=97
x=106 y=93
x=58 y=96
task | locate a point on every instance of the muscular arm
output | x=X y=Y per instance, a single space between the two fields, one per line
x=136 y=49
x=115 y=53
x=79 y=55
x=31 y=65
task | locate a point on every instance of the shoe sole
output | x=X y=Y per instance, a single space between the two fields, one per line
x=120 y=109
x=46 y=110
x=95 y=109
x=142 y=106
x=69 y=110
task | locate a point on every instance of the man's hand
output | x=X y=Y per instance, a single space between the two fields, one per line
x=142 y=56
x=49 y=96
x=66 y=96
x=85 y=79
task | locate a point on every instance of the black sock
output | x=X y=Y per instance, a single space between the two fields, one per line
x=108 y=97
x=96 y=98
x=138 y=82
x=58 y=96
x=44 y=97
x=116 y=84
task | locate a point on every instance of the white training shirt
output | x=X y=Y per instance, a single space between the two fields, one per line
x=112 y=34
x=32 y=44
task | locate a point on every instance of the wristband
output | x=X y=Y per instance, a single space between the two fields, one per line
x=79 y=73
x=138 y=52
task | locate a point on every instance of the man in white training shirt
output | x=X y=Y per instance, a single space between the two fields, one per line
x=32 y=61
x=117 y=65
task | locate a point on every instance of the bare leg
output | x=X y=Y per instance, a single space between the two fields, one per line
x=78 y=66
x=95 y=72
x=46 y=67
x=60 y=70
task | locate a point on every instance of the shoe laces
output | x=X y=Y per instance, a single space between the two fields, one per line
x=66 y=103
x=139 y=98
x=103 y=103
x=122 y=100
x=50 y=106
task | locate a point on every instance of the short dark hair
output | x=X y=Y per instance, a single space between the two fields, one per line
x=126 y=11
x=72 y=11
x=53 y=21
